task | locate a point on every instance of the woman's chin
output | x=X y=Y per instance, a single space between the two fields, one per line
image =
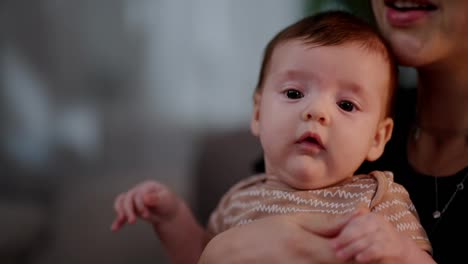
x=411 y=51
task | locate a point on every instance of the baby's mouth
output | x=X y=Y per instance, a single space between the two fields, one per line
x=311 y=139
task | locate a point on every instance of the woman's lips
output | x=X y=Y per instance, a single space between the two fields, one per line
x=398 y=18
x=406 y=13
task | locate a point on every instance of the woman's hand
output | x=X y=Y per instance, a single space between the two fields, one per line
x=300 y=238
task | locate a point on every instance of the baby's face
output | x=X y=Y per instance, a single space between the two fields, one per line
x=319 y=111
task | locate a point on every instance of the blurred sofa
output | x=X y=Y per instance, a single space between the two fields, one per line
x=24 y=206
x=56 y=220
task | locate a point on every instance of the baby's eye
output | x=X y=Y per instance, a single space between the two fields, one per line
x=293 y=94
x=346 y=105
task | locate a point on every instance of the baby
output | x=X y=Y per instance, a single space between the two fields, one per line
x=322 y=107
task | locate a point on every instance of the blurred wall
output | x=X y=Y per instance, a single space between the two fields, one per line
x=75 y=74
x=97 y=95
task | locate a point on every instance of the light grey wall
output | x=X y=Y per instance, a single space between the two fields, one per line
x=98 y=95
x=86 y=74
x=202 y=57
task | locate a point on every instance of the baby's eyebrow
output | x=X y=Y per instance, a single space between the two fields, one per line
x=352 y=87
x=296 y=74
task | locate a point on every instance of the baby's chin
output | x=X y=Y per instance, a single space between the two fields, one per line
x=306 y=180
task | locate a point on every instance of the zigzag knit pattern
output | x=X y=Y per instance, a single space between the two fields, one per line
x=256 y=197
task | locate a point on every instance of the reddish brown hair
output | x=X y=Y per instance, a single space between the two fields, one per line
x=332 y=28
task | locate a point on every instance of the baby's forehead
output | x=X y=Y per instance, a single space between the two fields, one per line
x=308 y=47
x=360 y=46
x=352 y=64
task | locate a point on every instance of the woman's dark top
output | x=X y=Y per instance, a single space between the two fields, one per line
x=446 y=233
x=452 y=226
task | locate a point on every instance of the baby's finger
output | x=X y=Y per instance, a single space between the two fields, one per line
x=118 y=223
x=129 y=207
x=359 y=226
x=140 y=205
x=118 y=206
x=370 y=253
x=351 y=250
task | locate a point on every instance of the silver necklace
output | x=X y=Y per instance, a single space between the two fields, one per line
x=460 y=186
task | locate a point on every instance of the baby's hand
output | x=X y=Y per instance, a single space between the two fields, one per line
x=149 y=200
x=369 y=237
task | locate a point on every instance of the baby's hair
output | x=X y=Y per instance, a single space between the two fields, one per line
x=333 y=28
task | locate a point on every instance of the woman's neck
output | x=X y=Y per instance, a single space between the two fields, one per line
x=442 y=102
x=439 y=146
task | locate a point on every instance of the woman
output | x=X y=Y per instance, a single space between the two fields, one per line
x=428 y=152
x=429 y=155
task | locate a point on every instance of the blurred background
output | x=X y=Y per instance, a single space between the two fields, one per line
x=98 y=95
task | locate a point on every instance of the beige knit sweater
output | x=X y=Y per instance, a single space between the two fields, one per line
x=261 y=196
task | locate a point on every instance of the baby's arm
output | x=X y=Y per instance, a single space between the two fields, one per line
x=181 y=235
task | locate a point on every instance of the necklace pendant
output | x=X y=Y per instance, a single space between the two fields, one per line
x=436 y=214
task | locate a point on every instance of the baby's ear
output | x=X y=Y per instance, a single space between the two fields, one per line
x=382 y=136
x=254 y=122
